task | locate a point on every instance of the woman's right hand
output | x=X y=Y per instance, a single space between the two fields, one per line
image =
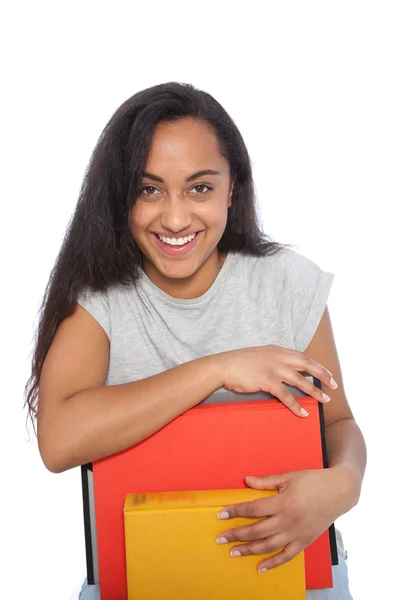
x=267 y=368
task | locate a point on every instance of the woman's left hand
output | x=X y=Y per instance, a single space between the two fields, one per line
x=306 y=504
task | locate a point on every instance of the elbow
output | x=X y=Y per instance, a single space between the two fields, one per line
x=53 y=454
x=53 y=466
x=55 y=442
x=52 y=461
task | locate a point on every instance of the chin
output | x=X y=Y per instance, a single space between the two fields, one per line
x=176 y=272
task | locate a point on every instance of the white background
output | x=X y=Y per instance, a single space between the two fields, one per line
x=314 y=88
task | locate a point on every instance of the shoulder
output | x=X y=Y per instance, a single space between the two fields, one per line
x=289 y=285
x=106 y=306
x=283 y=268
x=277 y=270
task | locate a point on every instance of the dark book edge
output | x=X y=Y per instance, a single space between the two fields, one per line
x=332 y=532
x=87 y=524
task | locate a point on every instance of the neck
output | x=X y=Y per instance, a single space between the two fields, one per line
x=191 y=287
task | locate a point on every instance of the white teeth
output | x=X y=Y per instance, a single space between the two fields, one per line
x=177 y=241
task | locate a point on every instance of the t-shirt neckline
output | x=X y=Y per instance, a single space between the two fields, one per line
x=216 y=284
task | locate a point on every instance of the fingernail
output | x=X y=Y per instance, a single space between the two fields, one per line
x=304 y=412
x=222 y=540
x=326 y=397
x=333 y=383
x=223 y=515
x=262 y=570
x=235 y=553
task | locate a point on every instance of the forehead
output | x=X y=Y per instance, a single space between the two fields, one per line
x=185 y=142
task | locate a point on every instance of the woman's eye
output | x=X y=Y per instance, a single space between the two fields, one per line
x=202 y=190
x=149 y=190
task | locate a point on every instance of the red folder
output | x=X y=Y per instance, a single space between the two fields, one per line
x=212 y=446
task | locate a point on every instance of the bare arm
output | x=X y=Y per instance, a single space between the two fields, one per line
x=345 y=443
x=311 y=499
x=81 y=420
x=347 y=454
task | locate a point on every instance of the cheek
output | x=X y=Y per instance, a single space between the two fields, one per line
x=136 y=228
x=214 y=213
x=218 y=217
x=132 y=226
x=137 y=219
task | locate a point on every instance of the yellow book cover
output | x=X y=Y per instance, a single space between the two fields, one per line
x=171 y=551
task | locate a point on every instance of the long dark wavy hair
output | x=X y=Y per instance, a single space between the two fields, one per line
x=98 y=249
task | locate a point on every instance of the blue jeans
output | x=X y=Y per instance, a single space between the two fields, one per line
x=340 y=590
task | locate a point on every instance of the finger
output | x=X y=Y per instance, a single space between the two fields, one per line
x=304 y=363
x=262 y=507
x=265 y=546
x=290 y=551
x=314 y=368
x=249 y=533
x=283 y=394
x=309 y=388
x=267 y=482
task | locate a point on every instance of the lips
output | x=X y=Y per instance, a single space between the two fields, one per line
x=169 y=250
x=177 y=241
x=169 y=235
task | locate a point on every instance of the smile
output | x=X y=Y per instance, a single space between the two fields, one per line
x=177 y=241
x=180 y=246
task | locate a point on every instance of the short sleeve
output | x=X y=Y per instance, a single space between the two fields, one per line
x=308 y=288
x=97 y=305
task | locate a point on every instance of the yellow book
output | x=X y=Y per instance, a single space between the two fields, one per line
x=172 y=554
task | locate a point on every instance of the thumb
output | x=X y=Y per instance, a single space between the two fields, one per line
x=269 y=482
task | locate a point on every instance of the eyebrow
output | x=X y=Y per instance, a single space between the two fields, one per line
x=190 y=178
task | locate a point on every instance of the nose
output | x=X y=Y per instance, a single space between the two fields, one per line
x=176 y=214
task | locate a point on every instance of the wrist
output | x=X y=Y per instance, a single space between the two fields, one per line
x=215 y=369
x=347 y=486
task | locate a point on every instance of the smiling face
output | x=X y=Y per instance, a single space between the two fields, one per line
x=181 y=212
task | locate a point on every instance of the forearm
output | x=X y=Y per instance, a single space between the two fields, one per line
x=102 y=421
x=347 y=455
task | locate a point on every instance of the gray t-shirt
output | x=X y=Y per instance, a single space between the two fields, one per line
x=254 y=301
x=276 y=299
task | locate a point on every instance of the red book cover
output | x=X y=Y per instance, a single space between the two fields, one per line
x=211 y=446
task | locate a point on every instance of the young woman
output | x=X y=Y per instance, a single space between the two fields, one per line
x=165 y=290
